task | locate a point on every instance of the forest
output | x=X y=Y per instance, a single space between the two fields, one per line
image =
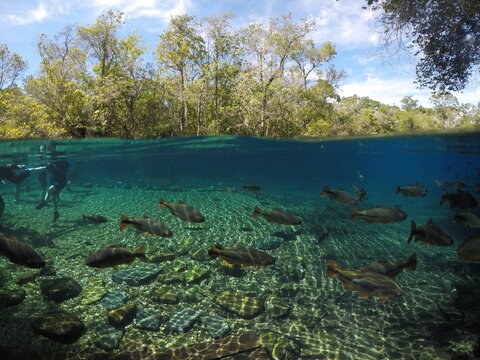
x=203 y=78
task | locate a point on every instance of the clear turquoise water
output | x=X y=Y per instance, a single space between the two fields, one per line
x=437 y=317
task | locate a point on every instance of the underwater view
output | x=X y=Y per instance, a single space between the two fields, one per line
x=241 y=248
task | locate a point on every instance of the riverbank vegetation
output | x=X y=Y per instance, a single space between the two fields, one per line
x=203 y=78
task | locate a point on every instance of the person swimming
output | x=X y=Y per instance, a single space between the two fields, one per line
x=55 y=174
x=16 y=174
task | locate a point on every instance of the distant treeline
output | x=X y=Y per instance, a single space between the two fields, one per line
x=265 y=80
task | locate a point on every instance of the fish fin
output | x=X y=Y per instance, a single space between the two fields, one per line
x=413 y=230
x=426 y=245
x=331 y=267
x=412 y=262
x=161 y=204
x=147 y=233
x=355 y=214
x=213 y=251
x=258 y=267
x=123 y=222
x=245 y=266
x=116 y=267
x=256 y=212
x=394 y=273
x=346 y=284
x=325 y=191
x=130 y=262
x=444 y=197
x=227 y=264
x=363 y=295
x=140 y=253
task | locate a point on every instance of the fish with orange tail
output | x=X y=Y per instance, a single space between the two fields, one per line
x=367 y=283
x=182 y=211
x=147 y=225
x=241 y=255
x=277 y=216
x=114 y=255
x=390 y=268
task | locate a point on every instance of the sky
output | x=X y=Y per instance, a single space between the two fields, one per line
x=370 y=71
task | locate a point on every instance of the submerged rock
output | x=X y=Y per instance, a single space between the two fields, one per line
x=135 y=277
x=148 y=320
x=171 y=277
x=123 y=315
x=114 y=299
x=92 y=292
x=165 y=295
x=199 y=254
x=59 y=326
x=217 y=349
x=277 y=307
x=162 y=257
x=216 y=325
x=108 y=337
x=244 y=306
x=192 y=295
x=60 y=289
x=196 y=274
x=183 y=320
x=27 y=277
x=11 y=297
x=269 y=243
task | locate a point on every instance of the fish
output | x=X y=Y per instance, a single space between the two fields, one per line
x=470 y=250
x=182 y=211
x=252 y=187
x=451 y=184
x=241 y=255
x=417 y=190
x=468 y=219
x=390 y=268
x=95 y=218
x=339 y=196
x=360 y=193
x=277 y=216
x=20 y=253
x=367 y=283
x=429 y=234
x=147 y=225
x=380 y=215
x=459 y=200
x=115 y=255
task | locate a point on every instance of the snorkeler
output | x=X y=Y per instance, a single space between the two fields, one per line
x=17 y=174
x=56 y=170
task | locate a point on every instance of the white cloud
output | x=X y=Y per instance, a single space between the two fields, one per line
x=392 y=90
x=162 y=9
x=35 y=15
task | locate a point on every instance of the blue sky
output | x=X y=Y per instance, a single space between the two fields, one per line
x=370 y=71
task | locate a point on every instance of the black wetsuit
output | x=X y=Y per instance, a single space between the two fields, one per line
x=57 y=173
x=14 y=173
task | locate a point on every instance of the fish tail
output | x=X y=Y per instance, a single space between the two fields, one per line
x=332 y=269
x=444 y=197
x=123 y=222
x=140 y=253
x=161 y=204
x=412 y=262
x=355 y=214
x=256 y=212
x=413 y=230
x=213 y=251
x=325 y=191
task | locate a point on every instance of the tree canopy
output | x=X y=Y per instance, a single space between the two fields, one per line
x=205 y=78
x=445 y=34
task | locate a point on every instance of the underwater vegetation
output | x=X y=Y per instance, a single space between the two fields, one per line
x=262 y=253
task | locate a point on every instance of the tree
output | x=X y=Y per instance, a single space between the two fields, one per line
x=444 y=33
x=11 y=66
x=180 y=52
